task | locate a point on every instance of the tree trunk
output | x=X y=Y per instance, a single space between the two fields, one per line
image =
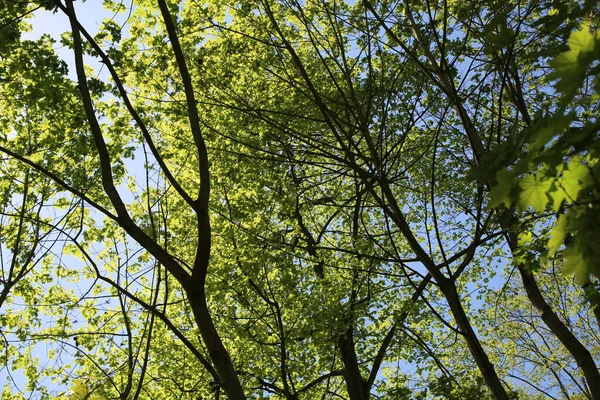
x=355 y=384
x=449 y=291
x=218 y=354
x=582 y=356
x=479 y=355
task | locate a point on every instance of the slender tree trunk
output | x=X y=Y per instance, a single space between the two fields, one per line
x=448 y=289
x=355 y=384
x=218 y=354
x=479 y=355
x=395 y=212
x=582 y=356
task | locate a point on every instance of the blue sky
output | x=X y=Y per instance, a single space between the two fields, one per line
x=90 y=13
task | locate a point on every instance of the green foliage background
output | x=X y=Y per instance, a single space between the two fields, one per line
x=401 y=193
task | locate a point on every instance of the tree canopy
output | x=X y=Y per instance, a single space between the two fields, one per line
x=313 y=199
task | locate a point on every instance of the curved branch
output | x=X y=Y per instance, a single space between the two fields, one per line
x=120 y=87
x=123 y=217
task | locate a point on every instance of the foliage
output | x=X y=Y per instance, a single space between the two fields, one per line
x=274 y=199
x=558 y=169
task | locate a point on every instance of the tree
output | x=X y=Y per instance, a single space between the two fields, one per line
x=291 y=200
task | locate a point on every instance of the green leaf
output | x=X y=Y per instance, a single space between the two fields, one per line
x=558 y=196
x=575 y=178
x=581 y=40
x=501 y=192
x=557 y=235
x=570 y=67
x=575 y=263
x=534 y=192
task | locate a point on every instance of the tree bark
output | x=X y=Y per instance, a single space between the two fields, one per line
x=479 y=355
x=355 y=384
x=582 y=356
x=218 y=354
